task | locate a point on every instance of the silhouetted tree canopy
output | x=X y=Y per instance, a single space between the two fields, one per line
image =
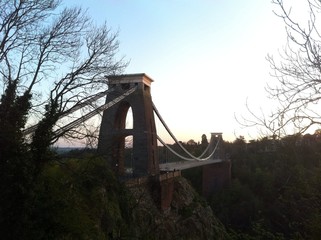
x=204 y=140
x=52 y=59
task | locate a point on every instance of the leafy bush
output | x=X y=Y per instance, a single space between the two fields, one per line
x=78 y=199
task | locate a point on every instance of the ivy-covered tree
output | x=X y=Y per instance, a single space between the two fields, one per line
x=52 y=59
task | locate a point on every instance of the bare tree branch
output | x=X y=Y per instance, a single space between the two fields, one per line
x=297 y=70
x=54 y=60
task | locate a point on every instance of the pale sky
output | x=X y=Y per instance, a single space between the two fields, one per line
x=207 y=57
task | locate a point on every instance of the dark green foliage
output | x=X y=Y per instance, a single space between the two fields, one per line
x=275 y=191
x=241 y=202
x=204 y=141
x=38 y=41
x=43 y=136
x=194 y=175
x=16 y=170
x=79 y=199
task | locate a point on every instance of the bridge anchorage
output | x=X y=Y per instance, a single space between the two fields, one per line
x=134 y=90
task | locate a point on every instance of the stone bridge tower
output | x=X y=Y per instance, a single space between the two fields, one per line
x=112 y=134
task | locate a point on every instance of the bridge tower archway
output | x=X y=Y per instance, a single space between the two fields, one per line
x=111 y=142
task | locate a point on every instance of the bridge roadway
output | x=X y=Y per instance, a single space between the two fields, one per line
x=182 y=165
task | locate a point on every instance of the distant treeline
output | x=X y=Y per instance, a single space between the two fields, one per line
x=275 y=190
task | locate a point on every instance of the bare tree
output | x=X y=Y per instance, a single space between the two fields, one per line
x=52 y=59
x=297 y=70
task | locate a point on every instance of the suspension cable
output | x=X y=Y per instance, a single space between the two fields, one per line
x=203 y=153
x=177 y=142
x=185 y=158
x=33 y=128
x=93 y=113
x=170 y=133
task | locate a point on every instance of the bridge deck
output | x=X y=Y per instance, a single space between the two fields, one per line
x=167 y=167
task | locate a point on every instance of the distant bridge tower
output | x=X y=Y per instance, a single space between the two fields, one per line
x=217 y=137
x=112 y=134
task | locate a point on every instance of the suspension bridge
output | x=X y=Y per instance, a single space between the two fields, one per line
x=134 y=90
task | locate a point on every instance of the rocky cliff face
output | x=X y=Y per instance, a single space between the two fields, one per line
x=189 y=216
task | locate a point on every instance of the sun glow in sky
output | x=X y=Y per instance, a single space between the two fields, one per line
x=207 y=57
